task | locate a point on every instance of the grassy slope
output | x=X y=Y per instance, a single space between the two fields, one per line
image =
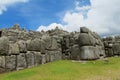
x=68 y=70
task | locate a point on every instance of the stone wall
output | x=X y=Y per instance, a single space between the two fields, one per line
x=112 y=46
x=21 y=49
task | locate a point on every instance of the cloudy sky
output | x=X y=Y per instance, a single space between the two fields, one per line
x=101 y=16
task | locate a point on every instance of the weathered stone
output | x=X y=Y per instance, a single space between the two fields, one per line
x=110 y=52
x=75 y=52
x=54 y=44
x=88 y=53
x=116 y=49
x=22 y=46
x=84 y=30
x=30 y=59
x=86 y=40
x=16 y=26
x=21 y=61
x=2 y=62
x=4 y=46
x=34 y=45
x=54 y=55
x=37 y=58
x=28 y=49
x=47 y=39
x=58 y=55
x=44 y=60
x=43 y=47
x=14 y=49
x=11 y=63
x=100 y=50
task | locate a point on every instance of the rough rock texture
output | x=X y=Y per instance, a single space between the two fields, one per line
x=86 y=40
x=112 y=46
x=91 y=46
x=21 y=49
x=14 y=49
x=34 y=45
x=75 y=52
x=11 y=62
x=22 y=46
x=88 y=53
x=21 y=61
x=4 y=46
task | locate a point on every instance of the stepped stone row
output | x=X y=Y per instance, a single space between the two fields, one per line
x=20 y=49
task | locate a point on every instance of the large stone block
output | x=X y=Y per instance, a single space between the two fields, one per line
x=84 y=30
x=48 y=41
x=37 y=58
x=22 y=46
x=54 y=44
x=75 y=52
x=43 y=47
x=11 y=63
x=44 y=60
x=21 y=61
x=88 y=53
x=30 y=59
x=58 y=55
x=100 y=50
x=14 y=49
x=86 y=40
x=110 y=52
x=116 y=49
x=2 y=62
x=4 y=46
x=34 y=45
x=54 y=55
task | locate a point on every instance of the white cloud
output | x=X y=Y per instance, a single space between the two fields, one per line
x=83 y=8
x=103 y=17
x=51 y=26
x=5 y=3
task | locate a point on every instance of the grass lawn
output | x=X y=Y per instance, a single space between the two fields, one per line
x=68 y=70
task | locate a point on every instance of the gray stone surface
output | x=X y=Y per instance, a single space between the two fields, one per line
x=75 y=52
x=21 y=49
x=21 y=61
x=84 y=30
x=22 y=46
x=14 y=49
x=86 y=40
x=4 y=46
x=88 y=53
x=11 y=63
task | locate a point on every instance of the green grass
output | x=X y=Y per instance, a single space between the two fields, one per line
x=68 y=70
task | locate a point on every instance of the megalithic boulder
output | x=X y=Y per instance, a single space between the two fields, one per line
x=84 y=30
x=86 y=40
x=47 y=39
x=75 y=52
x=22 y=46
x=14 y=49
x=34 y=45
x=4 y=46
x=88 y=53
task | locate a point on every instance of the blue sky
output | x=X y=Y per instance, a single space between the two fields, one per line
x=34 y=13
x=101 y=16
